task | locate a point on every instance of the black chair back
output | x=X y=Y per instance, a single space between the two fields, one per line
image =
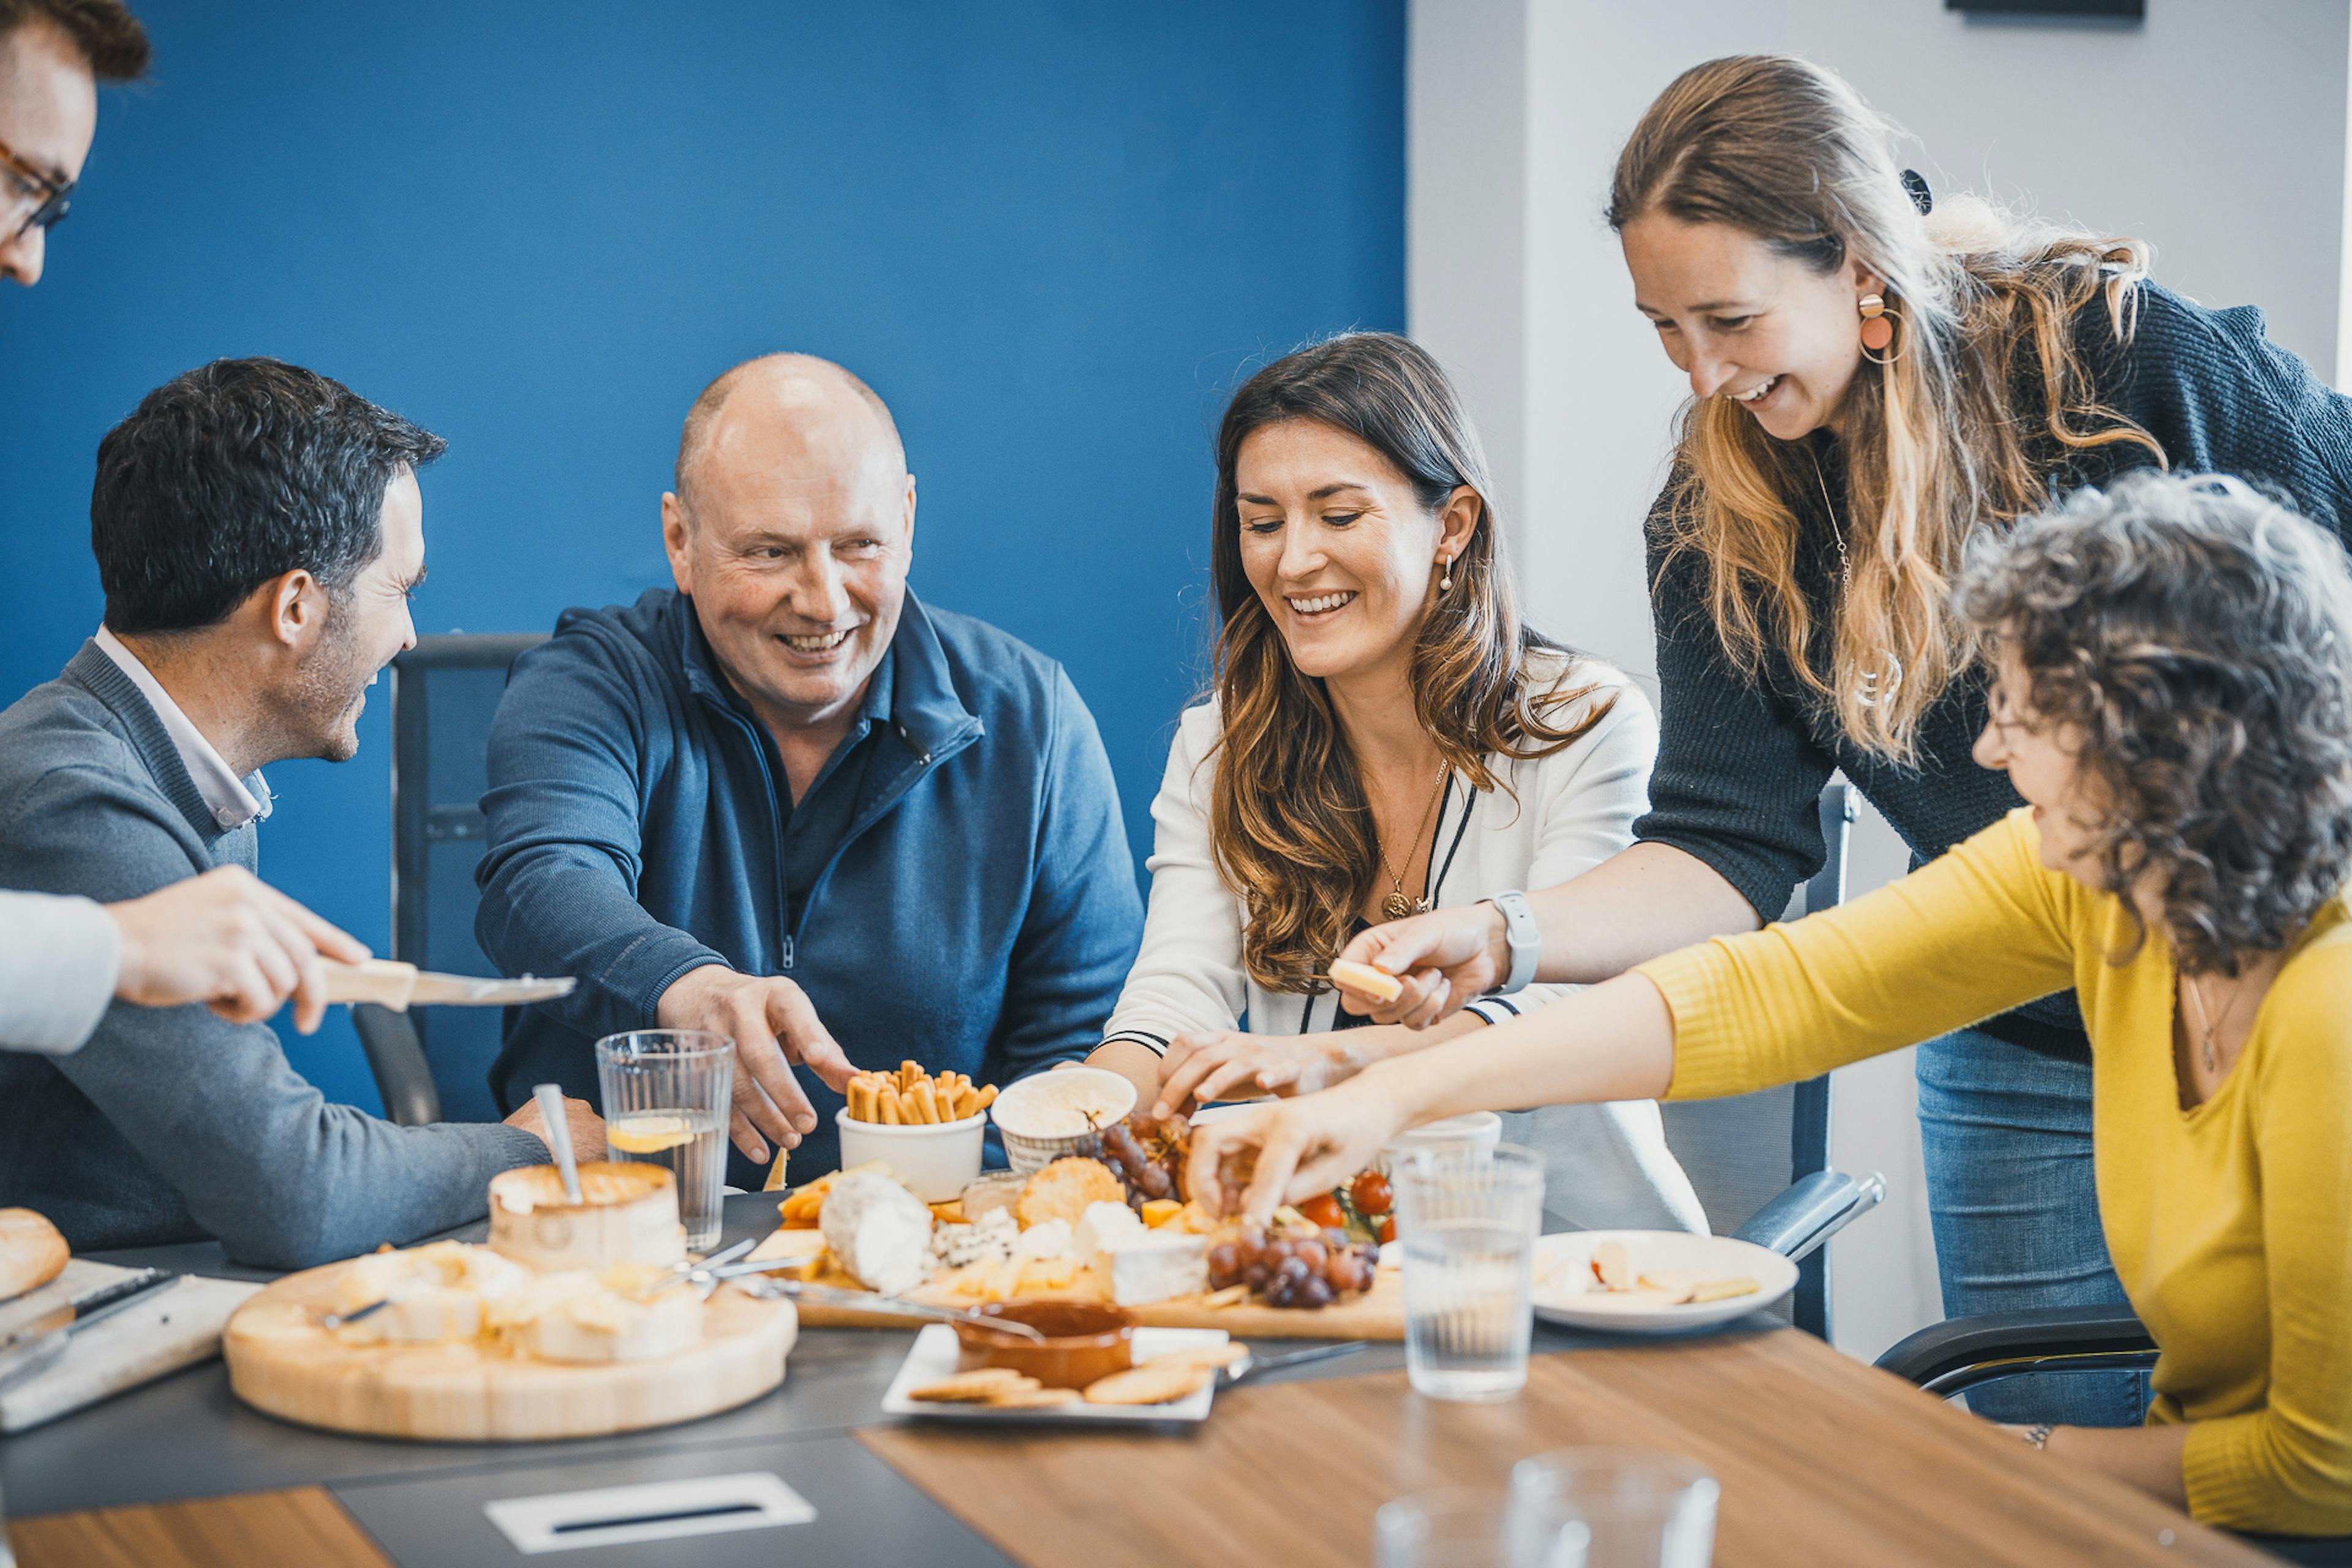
x=445 y=691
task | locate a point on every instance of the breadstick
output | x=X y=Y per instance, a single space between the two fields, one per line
x=861 y=1099
x=988 y=1097
x=967 y=1102
x=926 y=1101
x=910 y=1073
x=893 y=1111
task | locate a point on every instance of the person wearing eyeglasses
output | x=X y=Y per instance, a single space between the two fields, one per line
x=223 y=939
x=52 y=55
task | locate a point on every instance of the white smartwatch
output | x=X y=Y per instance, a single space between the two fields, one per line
x=1521 y=935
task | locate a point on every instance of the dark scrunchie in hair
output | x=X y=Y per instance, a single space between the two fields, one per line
x=1915 y=186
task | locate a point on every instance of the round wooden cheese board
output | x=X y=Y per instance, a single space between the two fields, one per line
x=281 y=1361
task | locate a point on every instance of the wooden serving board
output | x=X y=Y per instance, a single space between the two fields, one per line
x=281 y=1361
x=1378 y=1314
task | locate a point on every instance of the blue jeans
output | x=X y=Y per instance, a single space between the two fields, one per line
x=2007 y=1136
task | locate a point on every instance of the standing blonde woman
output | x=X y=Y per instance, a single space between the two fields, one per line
x=1383 y=734
x=1875 y=377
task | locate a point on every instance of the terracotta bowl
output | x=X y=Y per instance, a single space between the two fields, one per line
x=1085 y=1342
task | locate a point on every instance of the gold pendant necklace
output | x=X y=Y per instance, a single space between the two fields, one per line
x=1397 y=905
x=2196 y=995
x=1876 y=685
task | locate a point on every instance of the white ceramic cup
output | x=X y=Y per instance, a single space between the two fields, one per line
x=937 y=1159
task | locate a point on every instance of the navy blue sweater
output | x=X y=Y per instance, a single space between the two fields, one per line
x=1741 y=762
x=979 y=915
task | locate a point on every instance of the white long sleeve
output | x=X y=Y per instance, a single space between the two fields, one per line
x=58 y=957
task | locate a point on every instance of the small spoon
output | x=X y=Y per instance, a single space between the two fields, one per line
x=559 y=1137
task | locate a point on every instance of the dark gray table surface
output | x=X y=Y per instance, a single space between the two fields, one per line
x=186 y=1437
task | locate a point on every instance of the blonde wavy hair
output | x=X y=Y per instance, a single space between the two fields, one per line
x=1937 y=444
x=1288 y=819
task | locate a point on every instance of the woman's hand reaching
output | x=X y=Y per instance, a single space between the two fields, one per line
x=1225 y=1062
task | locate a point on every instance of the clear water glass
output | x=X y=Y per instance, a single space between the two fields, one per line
x=1468 y=1220
x=1476 y=1527
x=1642 y=1510
x=666 y=1101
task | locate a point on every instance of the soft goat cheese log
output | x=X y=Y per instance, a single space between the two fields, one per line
x=878 y=1231
x=1139 y=1266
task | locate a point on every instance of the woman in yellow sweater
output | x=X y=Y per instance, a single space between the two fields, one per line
x=2172 y=697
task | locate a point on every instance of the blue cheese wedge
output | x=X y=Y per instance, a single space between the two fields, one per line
x=990 y=1239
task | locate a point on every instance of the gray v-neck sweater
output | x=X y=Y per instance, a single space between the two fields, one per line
x=172 y=1124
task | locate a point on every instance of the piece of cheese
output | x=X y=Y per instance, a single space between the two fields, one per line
x=1154 y=1266
x=880 y=1232
x=991 y=1239
x=628 y=1214
x=1049 y=1238
x=1365 y=980
x=602 y=1325
x=436 y=1293
x=1100 y=1225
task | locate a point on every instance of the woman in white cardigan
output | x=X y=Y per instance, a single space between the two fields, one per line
x=1384 y=736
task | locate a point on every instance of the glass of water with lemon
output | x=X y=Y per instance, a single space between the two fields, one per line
x=665 y=1099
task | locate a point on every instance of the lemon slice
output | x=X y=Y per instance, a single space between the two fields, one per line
x=648 y=1134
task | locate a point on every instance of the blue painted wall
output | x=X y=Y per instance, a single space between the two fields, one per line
x=1048 y=234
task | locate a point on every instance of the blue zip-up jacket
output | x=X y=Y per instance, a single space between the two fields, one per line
x=979 y=915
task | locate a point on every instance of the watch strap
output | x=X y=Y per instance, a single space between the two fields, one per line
x=1520 y=936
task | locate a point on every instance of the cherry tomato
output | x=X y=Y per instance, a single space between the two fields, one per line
x=1388 y=1230
x=1324 y=1210
x=1371 y=1194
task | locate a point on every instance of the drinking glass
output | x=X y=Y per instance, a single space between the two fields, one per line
x=1468 y=1220
x=1477 y=1527
x=1643 y=1510
x=666 y=1101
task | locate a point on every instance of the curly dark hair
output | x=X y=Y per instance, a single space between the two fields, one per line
x=236 y=472
x=2199 y=636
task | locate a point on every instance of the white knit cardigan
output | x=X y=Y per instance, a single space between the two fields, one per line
x=1607 y=1165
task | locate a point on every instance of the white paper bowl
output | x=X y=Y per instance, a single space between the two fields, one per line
x=1026 y=1153
x=937 y=1159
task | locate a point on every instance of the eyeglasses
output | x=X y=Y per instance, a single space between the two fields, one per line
x=27 y=187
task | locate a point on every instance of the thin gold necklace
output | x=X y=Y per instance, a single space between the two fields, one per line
x=2191 y=989
x=1869 y=694
x=1396 y=906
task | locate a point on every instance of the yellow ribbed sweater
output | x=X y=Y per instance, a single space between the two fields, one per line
x=2230 y=1224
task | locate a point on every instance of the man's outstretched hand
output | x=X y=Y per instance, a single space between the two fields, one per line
x=773 y=1025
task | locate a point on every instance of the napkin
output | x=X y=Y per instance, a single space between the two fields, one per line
x=174 y=1326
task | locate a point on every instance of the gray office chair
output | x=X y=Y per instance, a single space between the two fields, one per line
x=1760 y=1162
x=1954 y=1355
x=445 y=690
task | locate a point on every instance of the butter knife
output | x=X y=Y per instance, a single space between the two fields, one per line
x=399 y=987
x=36 y=1346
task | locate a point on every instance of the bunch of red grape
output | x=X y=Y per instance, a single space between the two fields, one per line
x=1293 y=1268
x=1147 y=1154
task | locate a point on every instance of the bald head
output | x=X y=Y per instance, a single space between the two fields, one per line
x=783 y=405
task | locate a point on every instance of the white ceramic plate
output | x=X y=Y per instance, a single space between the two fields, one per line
x=934 y=1358
x=1563 y=1269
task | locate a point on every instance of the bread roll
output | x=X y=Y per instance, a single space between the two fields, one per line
x=32 y=1253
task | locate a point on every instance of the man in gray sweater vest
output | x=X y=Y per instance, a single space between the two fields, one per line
x=258 y=530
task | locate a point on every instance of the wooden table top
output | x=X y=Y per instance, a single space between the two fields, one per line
x=299 y=1528
x=1821 y=1460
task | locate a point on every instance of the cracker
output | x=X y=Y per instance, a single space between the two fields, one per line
x=1216 y=1357
x=1153 y=1383
x=1063 y=1189
x=1031 y=1398
x=974 y=1387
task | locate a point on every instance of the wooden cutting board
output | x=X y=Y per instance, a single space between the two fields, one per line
x=280 y=1361
x=1378 y=1314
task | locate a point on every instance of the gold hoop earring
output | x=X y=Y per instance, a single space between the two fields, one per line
x=1879 y=320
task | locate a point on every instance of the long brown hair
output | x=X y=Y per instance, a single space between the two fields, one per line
x=1288 y=818
x=1784 y=149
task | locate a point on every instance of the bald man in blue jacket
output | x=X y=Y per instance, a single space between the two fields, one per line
x=788 y=801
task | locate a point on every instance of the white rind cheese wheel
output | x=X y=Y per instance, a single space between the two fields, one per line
x=32 y=1252
x=436 y=1293
x=879 y=1231
x=630 y=1215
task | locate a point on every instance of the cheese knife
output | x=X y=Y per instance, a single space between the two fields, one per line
x=36 y=1346
x=399 y=987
